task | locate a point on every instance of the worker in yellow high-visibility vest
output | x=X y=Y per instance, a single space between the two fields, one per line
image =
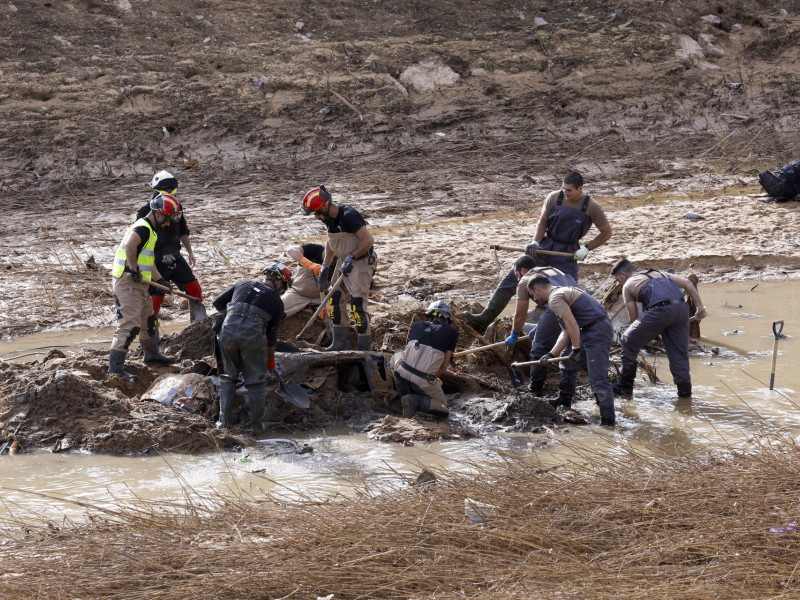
x=134 y=266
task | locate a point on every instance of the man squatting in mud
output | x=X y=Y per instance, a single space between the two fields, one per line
x=567 y=215
x=426 y=356
x=350 y=241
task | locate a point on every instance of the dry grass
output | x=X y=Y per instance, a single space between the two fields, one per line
x=629 y=526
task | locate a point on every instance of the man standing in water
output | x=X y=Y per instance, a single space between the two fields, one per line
x=567 y=216
x=664 y=313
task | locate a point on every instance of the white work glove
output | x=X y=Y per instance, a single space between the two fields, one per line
x=700 y=313
x=531 y=248
x=581 y=252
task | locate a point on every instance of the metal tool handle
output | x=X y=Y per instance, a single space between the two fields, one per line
x=321 y=306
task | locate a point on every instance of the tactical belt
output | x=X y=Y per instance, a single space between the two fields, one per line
x=426 y=376
x=366 y=254
x=593 y=323
x=243 y=309
x=663 y=303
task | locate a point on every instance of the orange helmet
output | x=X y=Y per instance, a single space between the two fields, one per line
x=166 y=204
x=316 y=200
x=280 y=272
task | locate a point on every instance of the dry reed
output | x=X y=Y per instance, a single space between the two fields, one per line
x=622 y=525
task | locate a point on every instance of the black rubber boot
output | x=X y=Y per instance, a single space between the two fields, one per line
x=608 y=421
x=412 y=403
x=562 y=399
x=341 y=339
x=497 y=303
x=227 y=393
x=685 y=391
x=623 y=387
x=151 y=353
x=364 y=342
x=116 y=362
x=256 y=399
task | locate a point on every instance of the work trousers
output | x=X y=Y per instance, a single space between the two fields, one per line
x=406 y=383
x=596 y=345
x=134 y=312
x=672 y=323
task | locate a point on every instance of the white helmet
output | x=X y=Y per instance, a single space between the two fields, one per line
x=164 y=181
x=439 y=308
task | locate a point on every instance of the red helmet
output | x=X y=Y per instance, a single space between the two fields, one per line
x=166 y=204
x=316 y=200
x=280 y=272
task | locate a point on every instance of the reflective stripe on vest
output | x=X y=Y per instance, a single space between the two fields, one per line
x=146 y=258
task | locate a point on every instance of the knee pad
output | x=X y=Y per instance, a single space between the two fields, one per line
x=194 y=289
x=336 y=314
x=131 y=336
x=151 y=325
x=359 y=315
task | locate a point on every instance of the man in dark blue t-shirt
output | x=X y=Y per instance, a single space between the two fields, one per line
x=426 y=356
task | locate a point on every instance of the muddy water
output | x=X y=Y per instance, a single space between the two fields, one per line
x=731 y=403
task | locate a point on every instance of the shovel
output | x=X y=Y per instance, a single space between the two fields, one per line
x=321 y=306
x=777 y=333
x=536 y=362
x=293 y=393
x=495 y=247
x=479 y=349
x=515 y=376
x=195 y=305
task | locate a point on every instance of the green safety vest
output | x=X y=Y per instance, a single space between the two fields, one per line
x=146 y=258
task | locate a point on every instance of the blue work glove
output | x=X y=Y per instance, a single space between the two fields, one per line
x=575 y=355
x=532 y=333
x=581 y=252
x=543 y=359
x=322 y=278
x=531 y=248
x=512 y=339
x=347 y=265
x=136 y=276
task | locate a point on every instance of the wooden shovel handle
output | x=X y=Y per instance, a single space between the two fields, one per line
x=536 y=362
x=479 y=349
x=170 y=290
x=547 y=252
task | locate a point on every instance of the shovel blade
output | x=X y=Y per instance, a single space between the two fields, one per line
x=516 y=377
x=294 y=394
x=197 y=311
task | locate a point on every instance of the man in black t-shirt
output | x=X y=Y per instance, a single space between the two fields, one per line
x=247 y=339
x=350 y=241
x=426 y=356
x=172 y=266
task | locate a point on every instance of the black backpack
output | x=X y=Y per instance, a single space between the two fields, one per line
x=784 y=185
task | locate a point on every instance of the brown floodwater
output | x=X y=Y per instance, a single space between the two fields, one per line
x=732 y=402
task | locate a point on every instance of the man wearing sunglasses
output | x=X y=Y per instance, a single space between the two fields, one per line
x=172 y=266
